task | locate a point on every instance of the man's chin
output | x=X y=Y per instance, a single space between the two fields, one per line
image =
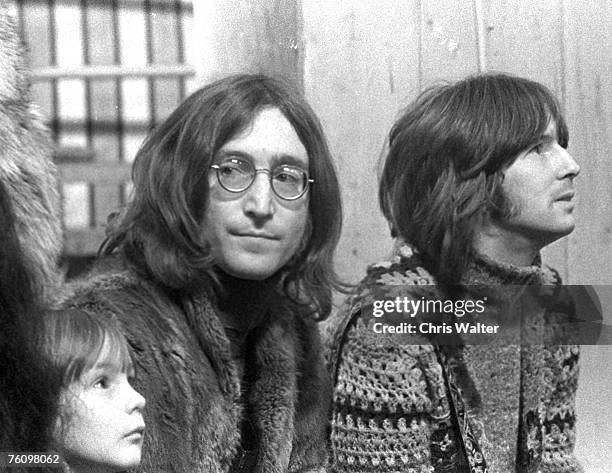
x=252 y=272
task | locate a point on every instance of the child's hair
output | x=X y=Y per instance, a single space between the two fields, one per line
x=74 y=341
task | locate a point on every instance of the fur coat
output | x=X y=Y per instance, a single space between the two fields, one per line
x=185 y=371
x=25 y=161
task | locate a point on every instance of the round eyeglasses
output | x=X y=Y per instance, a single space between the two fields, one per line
x=288 y=182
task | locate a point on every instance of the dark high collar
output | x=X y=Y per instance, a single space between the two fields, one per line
x=244 y=303
x=482 y=270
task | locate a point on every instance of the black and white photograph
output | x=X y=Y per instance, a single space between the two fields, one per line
x=305 y=236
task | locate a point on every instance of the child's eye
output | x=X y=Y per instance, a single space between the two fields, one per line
x=102 y=383
x=539 y=148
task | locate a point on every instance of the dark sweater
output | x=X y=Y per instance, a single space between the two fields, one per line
x=419 y=408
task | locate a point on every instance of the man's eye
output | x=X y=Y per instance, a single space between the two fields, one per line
x=286 y=177
x=539 y=148
x=229 y=169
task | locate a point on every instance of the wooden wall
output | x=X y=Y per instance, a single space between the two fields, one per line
x=362 y=64
x=363 y=61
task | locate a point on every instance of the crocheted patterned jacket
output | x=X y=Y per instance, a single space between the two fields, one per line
x=191 y=383
x=405 y=407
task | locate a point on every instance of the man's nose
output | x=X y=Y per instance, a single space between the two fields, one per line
x=259 y=198
x=568 y=165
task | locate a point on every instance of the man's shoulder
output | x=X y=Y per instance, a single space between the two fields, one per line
x=404 y=267
x=402 y=275
x=114 y=287
x=108 y=275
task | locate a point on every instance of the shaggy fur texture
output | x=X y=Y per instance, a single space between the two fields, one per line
x=185 y=371
x=25 y=161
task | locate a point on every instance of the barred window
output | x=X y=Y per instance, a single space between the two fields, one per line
x=104 y=73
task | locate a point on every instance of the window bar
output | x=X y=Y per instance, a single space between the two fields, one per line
x=87 y=62
x=117 y=61
x=178 y=11
x=53 y=60
x=91 y=190
x=151 y=83
x=112 y=71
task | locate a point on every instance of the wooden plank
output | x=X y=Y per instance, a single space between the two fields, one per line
x=526 y=38
x=588 y=75
x=448 y=40
x=361 y=67
x=262 y=36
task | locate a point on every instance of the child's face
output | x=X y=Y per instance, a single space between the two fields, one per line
x=104 y=425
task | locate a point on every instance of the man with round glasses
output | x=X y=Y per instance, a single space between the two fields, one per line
x=217 y=270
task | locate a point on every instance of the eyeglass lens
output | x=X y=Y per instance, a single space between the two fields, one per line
x=237 y=175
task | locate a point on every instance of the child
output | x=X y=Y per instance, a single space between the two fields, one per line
x=100 y=425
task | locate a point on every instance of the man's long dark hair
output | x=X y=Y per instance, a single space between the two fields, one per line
x=447 y=154
x=161 y=230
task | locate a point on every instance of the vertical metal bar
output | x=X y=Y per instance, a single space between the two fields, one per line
x=180 y=45
x=88 y=120
x=150 y=59
x=92 y=204
x=87 y=62
x=117 y=61
x=53 y=62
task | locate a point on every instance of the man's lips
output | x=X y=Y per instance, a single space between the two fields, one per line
x=566 y=196
x=255 y=234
